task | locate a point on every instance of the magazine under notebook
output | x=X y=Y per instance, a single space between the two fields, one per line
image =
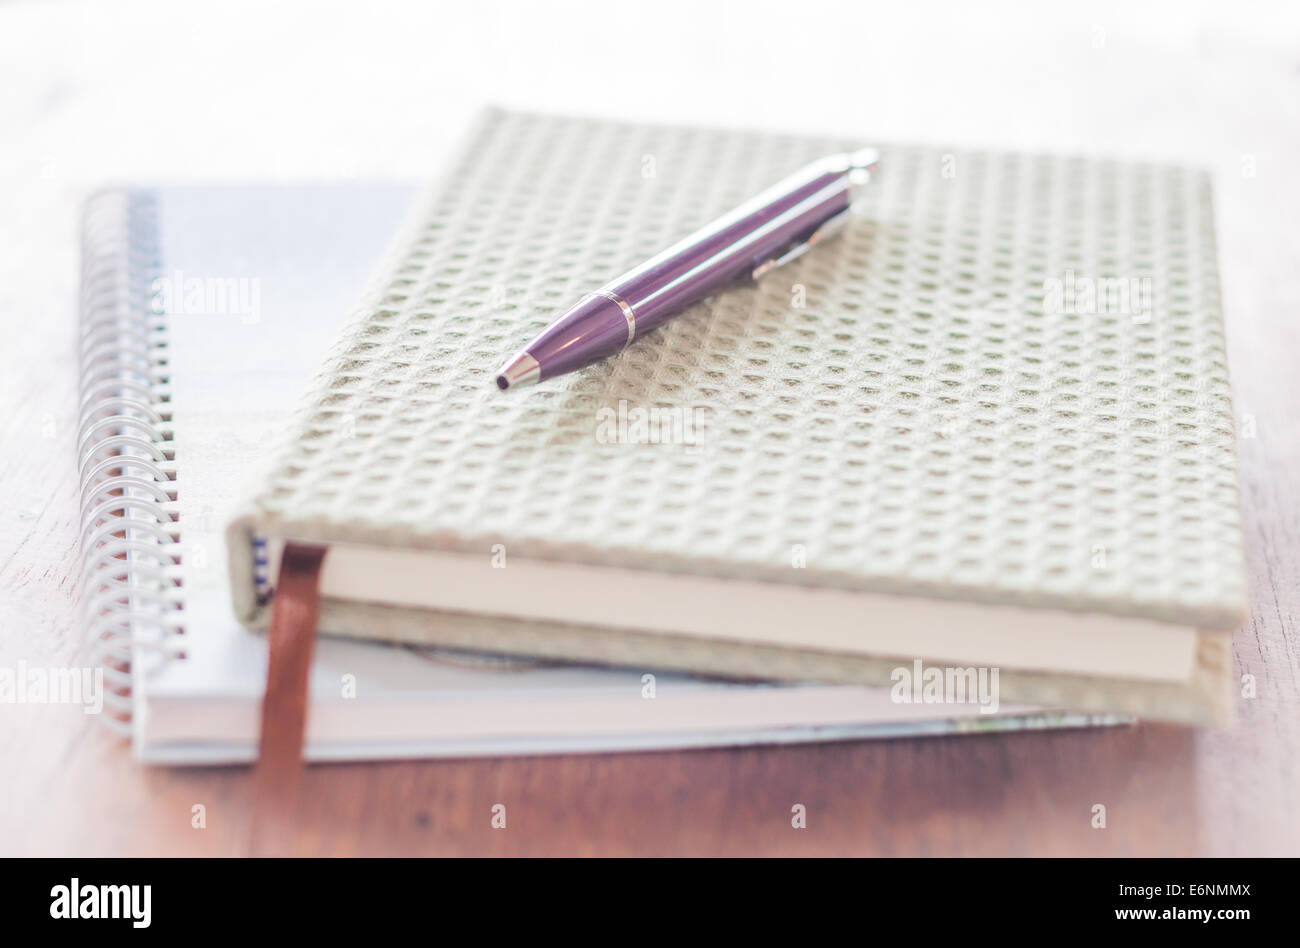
x=244 y=288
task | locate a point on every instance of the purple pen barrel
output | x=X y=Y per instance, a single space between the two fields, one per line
x=756 y=234
x=776 y=226
x=595 y=328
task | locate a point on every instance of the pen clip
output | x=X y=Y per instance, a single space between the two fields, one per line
x=829 y=228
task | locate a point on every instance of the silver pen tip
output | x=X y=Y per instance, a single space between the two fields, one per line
x=519 y=370
x=868 y=159
x=862 y=165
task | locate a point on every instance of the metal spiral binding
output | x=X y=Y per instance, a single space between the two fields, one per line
x=130 y=532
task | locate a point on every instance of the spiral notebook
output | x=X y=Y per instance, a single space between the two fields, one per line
x=988 y=424
x=205 y=311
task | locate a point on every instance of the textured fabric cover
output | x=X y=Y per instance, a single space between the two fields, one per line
x=915 y=407
x=921 y=424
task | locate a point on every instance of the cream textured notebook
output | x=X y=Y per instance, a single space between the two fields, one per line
x=989 y=424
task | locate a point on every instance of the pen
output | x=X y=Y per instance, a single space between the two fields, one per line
x=773 y=228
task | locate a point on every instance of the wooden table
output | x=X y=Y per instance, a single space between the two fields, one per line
x=154 y=94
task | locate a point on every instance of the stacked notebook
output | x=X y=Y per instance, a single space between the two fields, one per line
x=944 y=439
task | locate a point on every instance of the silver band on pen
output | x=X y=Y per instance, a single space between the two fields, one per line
x=627 y=312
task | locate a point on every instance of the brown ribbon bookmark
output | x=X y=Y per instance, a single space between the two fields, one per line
x=292 y=638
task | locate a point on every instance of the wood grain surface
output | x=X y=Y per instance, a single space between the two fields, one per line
x=152 y=93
